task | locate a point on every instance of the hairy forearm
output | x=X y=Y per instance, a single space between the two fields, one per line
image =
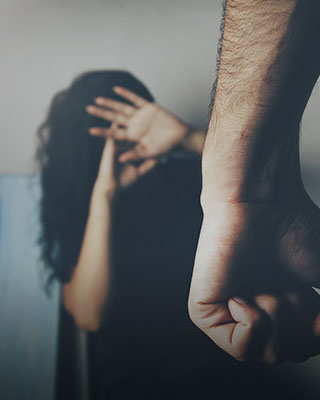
x=86 y=294
x=268 y=66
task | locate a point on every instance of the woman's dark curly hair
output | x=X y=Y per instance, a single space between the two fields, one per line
x=69 y=158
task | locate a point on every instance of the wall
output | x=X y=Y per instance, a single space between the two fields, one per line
x=169 y=44
x=28 y=318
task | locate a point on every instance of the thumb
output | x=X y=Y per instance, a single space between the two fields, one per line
x=250 y=333
x=138 y=152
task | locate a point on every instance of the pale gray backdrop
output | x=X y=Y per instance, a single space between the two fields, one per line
x=169 y=44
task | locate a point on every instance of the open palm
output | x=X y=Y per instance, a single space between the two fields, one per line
x=152 y=129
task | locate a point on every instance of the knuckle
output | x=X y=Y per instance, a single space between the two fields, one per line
x=131 y=136
x=292 y=297
x=143 y=148
x=255 y=320
x=271 y=359
x=195 y=311
x=240 y=355
x=106 y=115
x=268 y=303
x=193 y=316
x=192 y=311
x=269 y=356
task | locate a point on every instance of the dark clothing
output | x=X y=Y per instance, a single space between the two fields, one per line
x=148 y=348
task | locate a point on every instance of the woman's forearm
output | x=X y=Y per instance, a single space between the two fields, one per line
x=86 y=294
x=269 y=64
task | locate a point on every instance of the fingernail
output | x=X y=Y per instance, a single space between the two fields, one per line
x=239 y=300
x=98 y=100
x=89 y=108
x=116 y=88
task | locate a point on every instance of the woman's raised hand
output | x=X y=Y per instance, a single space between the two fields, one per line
x=153 y=129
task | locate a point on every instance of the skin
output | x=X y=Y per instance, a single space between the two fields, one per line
x=258 y=250
x=153 y=130
x=257 y=256
x=260 y=238
x=85 y=296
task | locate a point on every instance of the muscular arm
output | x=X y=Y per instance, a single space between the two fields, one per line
x=260 y=233
x=268 y=66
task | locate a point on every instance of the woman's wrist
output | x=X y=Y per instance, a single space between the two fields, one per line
x=193 y=140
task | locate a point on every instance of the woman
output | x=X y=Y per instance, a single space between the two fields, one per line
x=154 y=225
x=125 y=257
x=80 y=178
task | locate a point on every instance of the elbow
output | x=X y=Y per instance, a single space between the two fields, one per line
x=86 y=320
x=84 y=323
x=84 y=317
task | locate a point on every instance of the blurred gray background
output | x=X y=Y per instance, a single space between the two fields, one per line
x=169 y=44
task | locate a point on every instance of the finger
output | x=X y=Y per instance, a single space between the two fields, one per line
x=135 y=154
x=305 y=305
x=316 y=323
x=107 y=115
x=316 y=326
x=133 y=97
x=146 y=166
x=103 y=132
x=270 y=305
x=131 y=173
x=127 y=176
x=106 y=168
x=305 y=333
x=233 y=326
x=250 y=333
x=115 y=133
x=115 y=105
